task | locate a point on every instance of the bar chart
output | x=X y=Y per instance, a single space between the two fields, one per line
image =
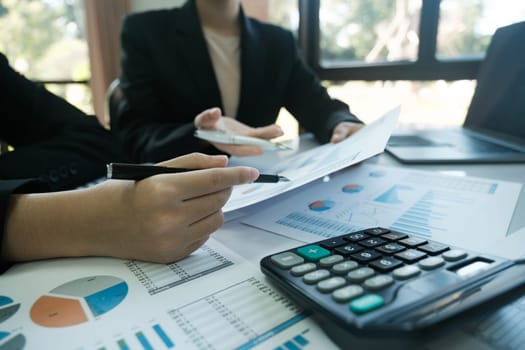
x=240 y=316
x=430 y=205
x=159 y=277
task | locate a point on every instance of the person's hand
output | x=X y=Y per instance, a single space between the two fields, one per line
x=344 y=130
x=212 y=119
x=174 y=214
x=162 y=218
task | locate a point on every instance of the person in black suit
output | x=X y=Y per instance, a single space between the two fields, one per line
x=181 y=63
x=58 y=148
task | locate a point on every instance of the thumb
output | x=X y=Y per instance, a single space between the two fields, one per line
x=268 y=132
x=208 y=118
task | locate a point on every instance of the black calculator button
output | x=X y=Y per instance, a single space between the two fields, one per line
x=385 y=264
x=366 y=303
x=330 y=260
x=454 y=255
x=348 y=249
x=333 y=242
x=433 y=248
x=347 y=293
x=344 y=267
x=432 y=262
x=413 y=241
x=300 y=270
x=316 y=276
x=377 y=231
x=330 y=284
x=394 y=236
x=378 y=282
x=406 y=272
x=286 y=260
x=410 y=255
x=372 y=242
x=365 y=256
x=354 y=237
x=361 y=274
x=312 y=252
x=391 y=248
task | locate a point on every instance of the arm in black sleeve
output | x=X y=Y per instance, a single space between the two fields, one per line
x=53 y=140
x=309 y=102
x=22 y=100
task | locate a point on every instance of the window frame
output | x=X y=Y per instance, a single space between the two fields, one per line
x=426 y=66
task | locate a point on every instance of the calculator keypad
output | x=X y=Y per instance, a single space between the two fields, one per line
x=357 y=268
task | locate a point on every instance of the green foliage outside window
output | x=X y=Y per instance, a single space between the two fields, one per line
x=45 y=41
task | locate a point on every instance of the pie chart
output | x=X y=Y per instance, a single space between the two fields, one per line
x=9 y=341
x=321 y=205
x=78 y=301
x=377 y=173
x=7 y=308
x=352 y=188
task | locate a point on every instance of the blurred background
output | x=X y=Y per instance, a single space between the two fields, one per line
x=372 y=54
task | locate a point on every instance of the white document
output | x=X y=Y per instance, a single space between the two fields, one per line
x=458 y=210
x=511 y=247
x=318 y=162
x=212 y=300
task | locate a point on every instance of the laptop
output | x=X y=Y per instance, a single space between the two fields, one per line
x=494 y=128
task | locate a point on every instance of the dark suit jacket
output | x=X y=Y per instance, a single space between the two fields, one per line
x=53 y=140
x=168 y=78
x=57 y=146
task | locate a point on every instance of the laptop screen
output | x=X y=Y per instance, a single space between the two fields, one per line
x=498 y=104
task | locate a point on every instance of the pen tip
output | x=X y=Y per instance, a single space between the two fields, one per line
x=283 y=178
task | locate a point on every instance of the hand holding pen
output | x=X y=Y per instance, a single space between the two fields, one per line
x=125 y=171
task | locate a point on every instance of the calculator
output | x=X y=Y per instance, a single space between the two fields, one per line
x=380 y=280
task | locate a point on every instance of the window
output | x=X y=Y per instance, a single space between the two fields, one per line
x=466 y=27
x=46 y=41
x=422 y=54
x=353 y=32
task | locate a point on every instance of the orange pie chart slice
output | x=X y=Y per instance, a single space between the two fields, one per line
x=51 y=311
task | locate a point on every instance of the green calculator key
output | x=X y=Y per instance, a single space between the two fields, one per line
x=313 y=252
x=366 y=303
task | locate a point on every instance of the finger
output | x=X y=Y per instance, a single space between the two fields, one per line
x=190 y=248
x=200 y=229
x=206 y=225
x=208 y=118
x=201 y=207
x=201 y=182
x=339 y=134
x=178 y=252
x=344 y=130
x=197 y=161
x=267 y=132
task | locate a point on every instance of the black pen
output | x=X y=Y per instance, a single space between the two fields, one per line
x=125 y=171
